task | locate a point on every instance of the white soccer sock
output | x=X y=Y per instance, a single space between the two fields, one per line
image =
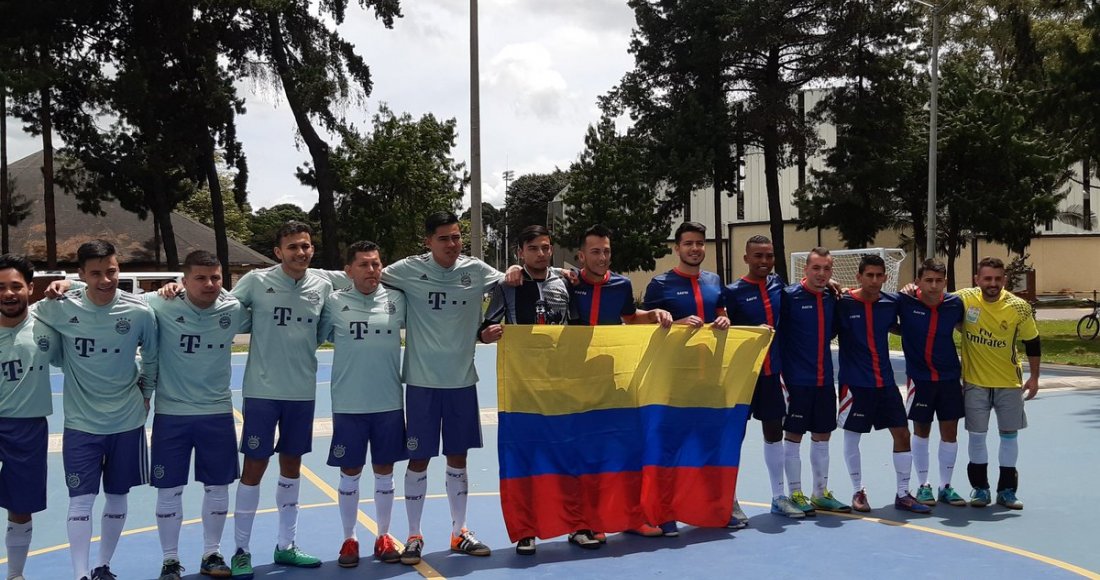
x=903 y=468
x=921 y=457
x=976 y=445
x=18 y=542
x=819 y=466
x=852 y=459
x=1009 y=450
x=215 y=508
x=244 y=511
x=286 y=498
x=792 y=465
x=457 y=489
x=947 y=455
x=773 y=459
x=170 y=520
x=416 y=486
x=111 y=525
x=348 y=501
x=79 y=528
x=383 y=502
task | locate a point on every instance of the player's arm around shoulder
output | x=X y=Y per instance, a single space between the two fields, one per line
x=326 y=326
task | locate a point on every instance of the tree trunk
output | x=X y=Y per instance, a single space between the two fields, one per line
x=318 y=148
x=47 y=178
x=770 y=139
x=221 y=240
x=167 y=235
x=719 y=250
x=5 y=195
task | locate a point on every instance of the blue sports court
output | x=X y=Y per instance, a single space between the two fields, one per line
x=1053 y=537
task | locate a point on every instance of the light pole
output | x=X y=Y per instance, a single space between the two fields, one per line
x=933 y=126
x=475 y=139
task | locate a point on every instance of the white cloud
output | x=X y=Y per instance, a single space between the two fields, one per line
x=525 y=72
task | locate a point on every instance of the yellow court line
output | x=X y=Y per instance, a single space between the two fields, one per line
x=955 y=536
x=423 y=567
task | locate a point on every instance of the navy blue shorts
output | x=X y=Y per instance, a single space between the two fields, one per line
x=120 y=459
x=23 y=444
x=211 y=436
x=769 y=403
x=451 y=412
x=810 y=409
x=862 y=408
x=295 y=421
x=351 y=432
x=943 y=398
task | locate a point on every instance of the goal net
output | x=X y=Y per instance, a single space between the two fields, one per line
x=846 y=265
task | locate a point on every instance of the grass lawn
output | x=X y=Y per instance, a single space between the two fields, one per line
x=1060 y=344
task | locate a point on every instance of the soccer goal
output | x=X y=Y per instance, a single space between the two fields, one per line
x=846 y=265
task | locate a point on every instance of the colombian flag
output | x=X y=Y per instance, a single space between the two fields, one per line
x=609 y=427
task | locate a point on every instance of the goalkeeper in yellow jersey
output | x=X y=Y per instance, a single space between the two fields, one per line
x=993 y=377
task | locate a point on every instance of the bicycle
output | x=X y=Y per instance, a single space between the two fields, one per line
x=1089 y=325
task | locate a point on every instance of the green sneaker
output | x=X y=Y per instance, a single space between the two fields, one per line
x=950 y=496
x=293 y=556
x=924 y=495
x=242 y=565
x=827 y=503
x=800 y=500
x=1007 y=498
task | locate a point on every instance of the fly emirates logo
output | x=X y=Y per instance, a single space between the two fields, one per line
x=985 y=338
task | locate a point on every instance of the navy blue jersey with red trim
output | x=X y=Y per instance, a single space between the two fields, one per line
x=864 y=330
x=606 y=302
x=684 y=295
x=751 y=303
x=927 y=337
x=805 y=331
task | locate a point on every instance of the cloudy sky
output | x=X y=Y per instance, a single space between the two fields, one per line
x=542 y=66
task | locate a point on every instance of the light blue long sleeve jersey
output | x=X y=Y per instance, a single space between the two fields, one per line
x=26 y=352
x=196 y=348
x=365 y=330
x=444 y=312
x=103 y=385
x=285 y=313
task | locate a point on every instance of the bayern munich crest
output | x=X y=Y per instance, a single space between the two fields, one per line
x=225 y=321
x=158 y=472
x=466 y=281
x=338 y=451
x=43 y=343
x=254 y=442
x=313 y=297
x=412 y=443
x=122 y=326
x=391 y=308
x=72 y=480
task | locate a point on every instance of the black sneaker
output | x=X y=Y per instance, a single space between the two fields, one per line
x=171 y=570
x=103 y=573
x=411 y=554
x=526 y=547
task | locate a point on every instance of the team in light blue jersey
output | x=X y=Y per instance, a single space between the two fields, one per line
x=27 y=349
x=364 y=324
x=106 y=398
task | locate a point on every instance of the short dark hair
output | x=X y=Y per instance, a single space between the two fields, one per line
x=991 y=262
x=289 y=229
x=94 y=250
x=200 y=258
x=532 y=233
x=436 y=220
x=820 y=251
x=21 y=265
x=871 y=260
x=360 y=246
x=597 y=230
x=757 y=239
x=691 y=227
x=932 y=265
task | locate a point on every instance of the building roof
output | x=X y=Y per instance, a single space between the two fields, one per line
x=132 y=236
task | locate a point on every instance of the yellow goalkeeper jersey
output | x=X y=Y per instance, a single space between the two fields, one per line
x=989 y=334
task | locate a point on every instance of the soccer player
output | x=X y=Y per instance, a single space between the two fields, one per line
x=280 y=388
x=928 y=322
x=993 y=377
x=106 y=398
x=444 y=293
x=806 y=326
x=755 y=300
x=693 y=297
x=602 y=297
x=28 y=349
x=364 y=324
x=869 y=397
x=542 y=298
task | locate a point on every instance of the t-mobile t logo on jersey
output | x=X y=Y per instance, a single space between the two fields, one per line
x=189 y=342
x=84 y=346
x=439 y=299
x=12 y=369
x=282 y=314
x=357 y=328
